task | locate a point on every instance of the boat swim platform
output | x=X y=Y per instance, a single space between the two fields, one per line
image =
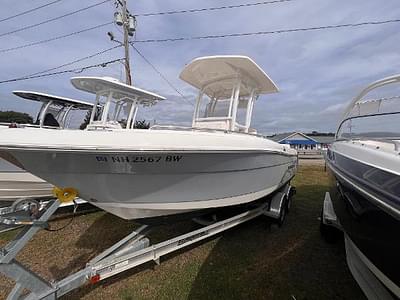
x=132 y=251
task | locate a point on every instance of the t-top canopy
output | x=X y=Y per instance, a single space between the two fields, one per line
x=218 y=69
x=120 y=90
x=62 y=101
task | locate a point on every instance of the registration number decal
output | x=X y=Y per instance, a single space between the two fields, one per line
x=139 y=159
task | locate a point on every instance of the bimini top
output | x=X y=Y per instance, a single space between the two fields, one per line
x=120 y=90
x=211 y=69
x=61 y=101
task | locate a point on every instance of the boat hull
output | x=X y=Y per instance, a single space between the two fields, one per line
x=16 y=183
x=367 y=214
x=137 y=185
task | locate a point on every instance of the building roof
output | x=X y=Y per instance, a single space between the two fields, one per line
x=324 y=139
x=280 y=136
x=320 y=139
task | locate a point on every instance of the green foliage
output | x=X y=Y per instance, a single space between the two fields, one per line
x=85 y=121
x=15 y=117
x=141 y=124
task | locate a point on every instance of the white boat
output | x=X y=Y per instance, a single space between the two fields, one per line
x=364 y=197
x=139 y=174
x=16 y=183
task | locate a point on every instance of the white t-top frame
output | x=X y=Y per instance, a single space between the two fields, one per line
x=230 y=121
x=105 y=121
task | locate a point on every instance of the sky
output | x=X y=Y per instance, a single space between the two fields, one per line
x=317 y=72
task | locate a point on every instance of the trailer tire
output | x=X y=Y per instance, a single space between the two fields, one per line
x=288 y=204
x=283 y=212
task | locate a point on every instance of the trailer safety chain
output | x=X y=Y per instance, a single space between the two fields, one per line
x=69 y=222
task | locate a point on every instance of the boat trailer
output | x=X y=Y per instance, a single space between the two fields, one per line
x=132 y=251
x=22 y=212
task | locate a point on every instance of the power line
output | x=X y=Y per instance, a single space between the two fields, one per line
x=53 y=19
x=194 y=10
x=29 y=10
x=75 y=61
x=77 y=70
x=161 y=75
x=55 y=38
x=266 y=32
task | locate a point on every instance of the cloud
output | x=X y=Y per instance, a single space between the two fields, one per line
x=318 y=72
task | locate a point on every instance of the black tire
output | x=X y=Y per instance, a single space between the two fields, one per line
x=206 y=220
x=288 y=204
x=283 y=213
x=329 y=233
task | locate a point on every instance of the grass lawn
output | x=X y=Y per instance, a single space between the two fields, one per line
x=256 y=260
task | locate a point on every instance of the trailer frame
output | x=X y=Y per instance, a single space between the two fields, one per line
x=133 y=250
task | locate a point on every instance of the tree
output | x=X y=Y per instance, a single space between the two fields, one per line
x=88 y=115
x=15 y=117
x=141 y=124
x=85 y=121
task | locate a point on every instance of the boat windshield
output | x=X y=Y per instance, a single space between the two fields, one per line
x=210 y=108
x=226 y=105
x=54 y=115
x=113 y=112
x=375 y=115
x=118 y=112
x=380 y=126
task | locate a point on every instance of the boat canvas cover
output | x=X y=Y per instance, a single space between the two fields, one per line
x=61 y=101
x=120 y=90
x=213 y=69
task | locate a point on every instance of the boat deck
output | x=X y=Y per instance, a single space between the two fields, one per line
x=386 y=145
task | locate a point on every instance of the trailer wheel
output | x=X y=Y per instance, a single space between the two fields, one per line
x=29 y=205
x=288 y=204
x=290 y=195
x=283 y=213
x=206 y=220
x=329 y=233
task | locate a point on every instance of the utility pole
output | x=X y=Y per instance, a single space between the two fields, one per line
x=128 y=22
x=125 y=18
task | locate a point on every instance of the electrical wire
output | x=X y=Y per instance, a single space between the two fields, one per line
x=75 y=61
x=161 y=75
x=55 y=38
x=267 y=32
x=77 y=70
x=69 y=221
x=53 y=19
x=29 y=10
x=202 y=37
x=194 y=10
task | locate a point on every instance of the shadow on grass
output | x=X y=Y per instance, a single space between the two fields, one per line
x=261 y=261
x=102 y=234
x=256 y=260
